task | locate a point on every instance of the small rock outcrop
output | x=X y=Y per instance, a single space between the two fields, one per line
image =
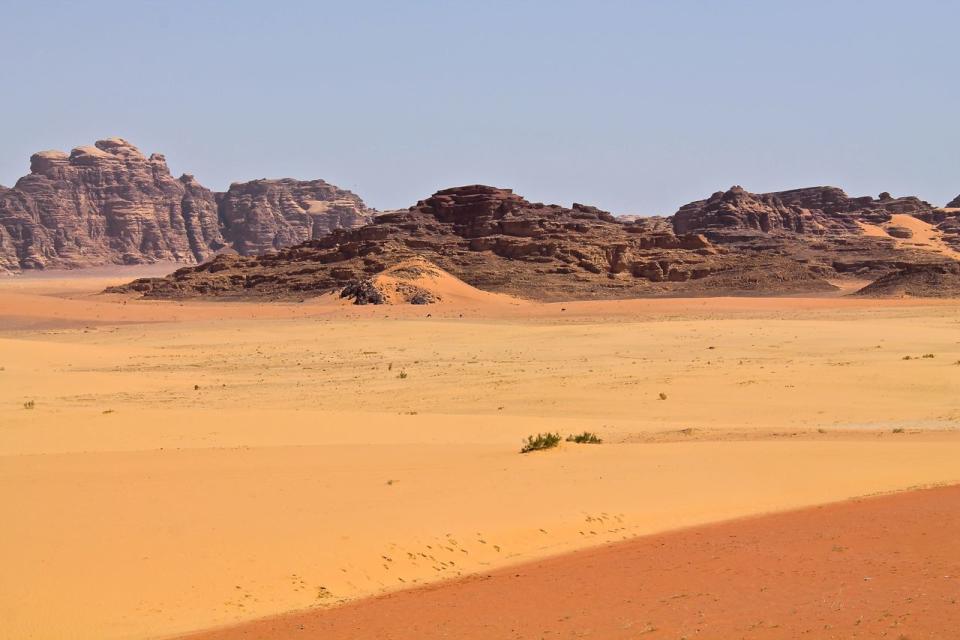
x=917 y=281
x=109 y=204
x=954 y=204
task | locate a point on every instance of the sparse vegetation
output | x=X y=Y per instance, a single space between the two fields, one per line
x=402 y=375
x=907 y=357
x=898 y=430
x=540 y=441
x=586 y=437
x=29 y=404
x=929 y=355
x=663 y=396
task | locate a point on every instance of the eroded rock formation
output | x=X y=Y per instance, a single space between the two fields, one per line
x=109 y=204
x=734 y=242
x=497 y=241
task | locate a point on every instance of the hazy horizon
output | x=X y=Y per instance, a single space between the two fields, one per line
x=634 y=107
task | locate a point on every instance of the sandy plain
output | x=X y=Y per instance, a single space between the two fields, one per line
x=192 y=465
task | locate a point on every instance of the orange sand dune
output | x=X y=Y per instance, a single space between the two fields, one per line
x=925 y=235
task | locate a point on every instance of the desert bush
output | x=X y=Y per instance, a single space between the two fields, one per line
x=540 y=441
x=402 y=375
x=29 y=404
x=585 y=438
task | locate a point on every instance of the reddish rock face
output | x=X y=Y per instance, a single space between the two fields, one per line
x=109 y=204
x=496 y=240
x=262 y=215
x=814 y=211
x=917 y=281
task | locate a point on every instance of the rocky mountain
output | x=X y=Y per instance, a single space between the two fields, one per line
x=734 y=242
x=954 y=204
x=812 y=211
x=109 y=204
x=497 y=241
x=820 y=226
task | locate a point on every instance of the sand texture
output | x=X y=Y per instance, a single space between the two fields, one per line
x=191 y=465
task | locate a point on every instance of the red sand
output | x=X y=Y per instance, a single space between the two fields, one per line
x=885 y=567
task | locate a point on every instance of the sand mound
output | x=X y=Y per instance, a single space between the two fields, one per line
x=417 y=281
x=909 y=232
x=918 y=281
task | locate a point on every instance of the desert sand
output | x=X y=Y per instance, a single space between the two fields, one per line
x=881 y=567
x=925 y=235
x=194 y=465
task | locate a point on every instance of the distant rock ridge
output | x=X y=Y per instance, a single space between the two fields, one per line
x=812 y=210
x=495 y=240
x=954 y=204
x=735 y=242
x=109 y=204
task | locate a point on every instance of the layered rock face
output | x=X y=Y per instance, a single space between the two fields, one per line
x=109 y=204
x=813 y=210
x=271 y=214
x=819 y=226
x=496 y=240
x=954 y=204
x=99 y=204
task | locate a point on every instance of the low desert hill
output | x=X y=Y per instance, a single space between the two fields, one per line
x=917 y=281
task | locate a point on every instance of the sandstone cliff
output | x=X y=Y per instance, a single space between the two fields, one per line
x=109 y=204
x=262 y=215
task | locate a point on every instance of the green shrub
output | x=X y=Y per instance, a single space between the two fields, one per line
x=585 y=438
x=540 y=441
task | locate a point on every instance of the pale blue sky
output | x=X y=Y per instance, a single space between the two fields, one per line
x=636 y=107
